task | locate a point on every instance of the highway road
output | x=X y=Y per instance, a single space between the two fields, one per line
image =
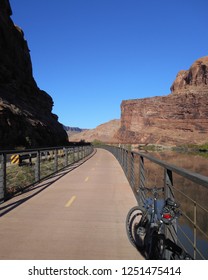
x=77 y=214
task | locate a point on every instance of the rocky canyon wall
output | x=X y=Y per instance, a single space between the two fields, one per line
x=178 y=118
x=26 y=117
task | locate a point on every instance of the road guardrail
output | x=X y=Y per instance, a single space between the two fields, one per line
x=20 y=169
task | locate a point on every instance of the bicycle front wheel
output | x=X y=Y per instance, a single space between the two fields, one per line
x=136 y=221
x=157 y=247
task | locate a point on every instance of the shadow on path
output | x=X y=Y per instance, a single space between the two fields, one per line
x=34 y=190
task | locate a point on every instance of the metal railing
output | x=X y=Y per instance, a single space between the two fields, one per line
x=21 y=169
x=185 y=186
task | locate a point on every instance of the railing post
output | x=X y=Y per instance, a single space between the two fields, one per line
x=168 y=183
x=132 y=173
x=37 y=167
x=121 y=151
x=195 y=231
x=72 y=152
x=171 y=231
x=126 y=162
x=77 y=154
x=81 y=153
x=124 y=153
x=66 y=156
x=55 y=161
x=2 y=177
x=141 y=180
x=141 y=172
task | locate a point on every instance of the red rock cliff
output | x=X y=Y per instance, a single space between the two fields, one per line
x=194 y=80
x=26 y=117
x=179 y=118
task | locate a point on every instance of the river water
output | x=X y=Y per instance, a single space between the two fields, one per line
x=195 y=163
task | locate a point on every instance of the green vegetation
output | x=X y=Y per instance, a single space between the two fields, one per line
x=148 y=147
x=20 y=177
x=128 y=147
x=154 y=147
x=203 y=148
x=97 y=142
x=193 y=148
x=187 y=148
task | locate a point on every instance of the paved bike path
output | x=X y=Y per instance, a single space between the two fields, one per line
x=78 y=215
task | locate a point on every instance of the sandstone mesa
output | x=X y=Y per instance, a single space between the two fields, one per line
x=178 y=118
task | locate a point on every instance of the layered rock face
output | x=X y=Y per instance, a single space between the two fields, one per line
x=193 y=80
x=179 y=118
x=26 y=117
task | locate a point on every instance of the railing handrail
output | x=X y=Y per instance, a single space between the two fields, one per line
x=13 y=151
x=193 y=176
x=35 y=159
x=136 y=175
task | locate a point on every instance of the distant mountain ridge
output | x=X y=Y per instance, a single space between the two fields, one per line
x=73 y=130
x=70 y=128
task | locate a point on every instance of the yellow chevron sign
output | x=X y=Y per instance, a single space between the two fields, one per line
x=15 y=159
x=61 y=153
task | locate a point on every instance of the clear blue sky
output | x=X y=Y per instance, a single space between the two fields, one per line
x=89 y=55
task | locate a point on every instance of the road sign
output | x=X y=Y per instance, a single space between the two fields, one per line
x=15 y=159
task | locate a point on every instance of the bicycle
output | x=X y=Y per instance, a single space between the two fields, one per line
x=145 y=228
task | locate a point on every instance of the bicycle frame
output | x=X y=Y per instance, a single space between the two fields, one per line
x=145 y=227
x=154 y=215
x=154 y=222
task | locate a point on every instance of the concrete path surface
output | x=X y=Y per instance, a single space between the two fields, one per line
x=78 y=214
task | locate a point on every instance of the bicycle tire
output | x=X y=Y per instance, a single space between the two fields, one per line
x=157 y=247
x=136 y=217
